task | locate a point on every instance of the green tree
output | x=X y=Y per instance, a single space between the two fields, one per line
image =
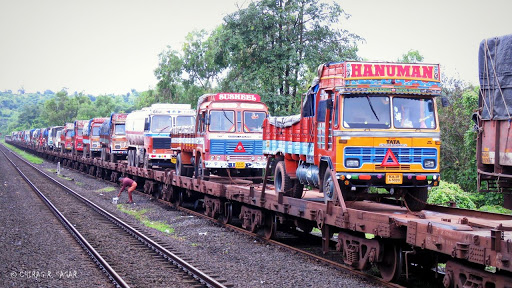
x=413 y=56
x=104 y=106
x=458 y=148
x=168 y=73
x=271 y=46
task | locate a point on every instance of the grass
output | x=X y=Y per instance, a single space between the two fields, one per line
x=29 y=157
x=139 y=215
x=65 y=177
x=106 y=189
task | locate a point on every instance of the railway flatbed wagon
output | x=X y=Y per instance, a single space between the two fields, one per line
x=475 y=246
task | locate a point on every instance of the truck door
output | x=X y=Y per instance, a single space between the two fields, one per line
x=324 y=126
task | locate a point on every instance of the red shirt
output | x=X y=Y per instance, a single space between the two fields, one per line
x=127 y=182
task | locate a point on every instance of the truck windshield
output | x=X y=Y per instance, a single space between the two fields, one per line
x=253 y=121
x=185 y=121
x=96 y=131
x=415 y=113
x=222 y=121
x=367 y=111
x=119 y=129
x=79 y=132
x=161 y=123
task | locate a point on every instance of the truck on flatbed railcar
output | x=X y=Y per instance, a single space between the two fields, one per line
x=77 y=136
x=226 y=138
x=494 y=150
x=374 y=124
x=147 y=132
x=114 y=145
x=91 y=137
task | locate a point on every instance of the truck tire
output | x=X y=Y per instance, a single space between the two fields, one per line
x=328 y=186
x=202 y=172
x=283 y=182
x=181 y=170
x=416 y=198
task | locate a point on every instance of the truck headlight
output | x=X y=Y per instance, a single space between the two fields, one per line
x=352 y=163
x=429 y=163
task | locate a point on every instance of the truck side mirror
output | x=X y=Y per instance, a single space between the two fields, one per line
x=146 y=125
x=329 y=104
x=445 y=102
x=207 y=120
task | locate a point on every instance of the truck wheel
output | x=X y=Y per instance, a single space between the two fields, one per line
x=283 y=182
x=202 y=173
x=180 y=169
x=416 y=198
x=146 y=161
x=328 y=186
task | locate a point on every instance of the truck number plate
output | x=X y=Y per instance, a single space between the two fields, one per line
x=173 y=160
x=239 y=165
x=393 y=178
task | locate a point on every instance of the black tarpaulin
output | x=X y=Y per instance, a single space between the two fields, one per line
x=495 y=74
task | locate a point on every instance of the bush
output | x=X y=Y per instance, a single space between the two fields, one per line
x=495 y=209
x=448 y=192
x=487 y=199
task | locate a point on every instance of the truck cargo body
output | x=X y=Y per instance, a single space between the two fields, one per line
x=52 y=136
x=374 y=124
x=494 y=148
x=91 y=139
x=114 y=145
x=78 y=138
x=66 y=138
x=227 y=135
x=147 y=133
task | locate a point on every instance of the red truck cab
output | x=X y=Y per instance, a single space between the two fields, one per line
x=227 y=137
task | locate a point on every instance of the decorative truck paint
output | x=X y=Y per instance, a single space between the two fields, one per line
x=147 y=133
x=226 y=136
x=375 y=124
x=113 y=141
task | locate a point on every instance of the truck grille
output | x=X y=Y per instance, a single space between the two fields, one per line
x=374 y=155
x=162 y=143
x=228 y=147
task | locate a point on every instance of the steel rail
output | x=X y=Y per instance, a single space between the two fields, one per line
x=98 y=259
x=277 y=243
x=184 y=265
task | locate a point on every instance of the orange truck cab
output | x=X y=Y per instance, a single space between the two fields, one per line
x=91 y=137
x=375 y=124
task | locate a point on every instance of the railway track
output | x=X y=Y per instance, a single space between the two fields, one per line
x=127 y=256
x=406 y=244
x=303 y=244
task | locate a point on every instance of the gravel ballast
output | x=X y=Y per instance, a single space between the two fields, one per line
x=242 y=260
x=36 y=251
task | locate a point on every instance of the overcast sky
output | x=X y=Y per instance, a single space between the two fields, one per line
x=112 y=46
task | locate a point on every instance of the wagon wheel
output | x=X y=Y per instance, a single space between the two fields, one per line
x=179 y=200
x=167 y=192
x=270 y=226
x=391 y=265
x=227 y=216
